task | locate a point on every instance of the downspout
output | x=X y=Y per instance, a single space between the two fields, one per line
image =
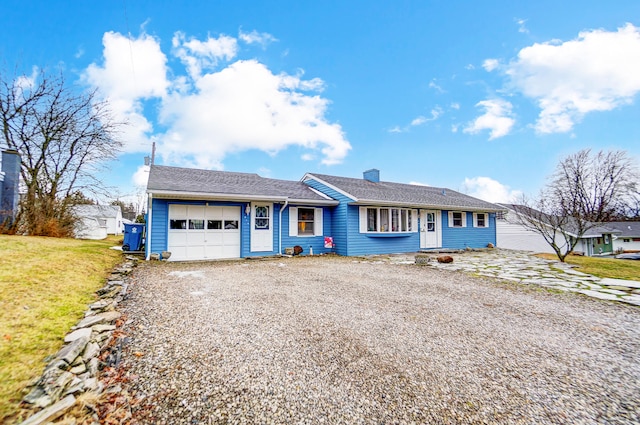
x=147 y=245
x=286 y=204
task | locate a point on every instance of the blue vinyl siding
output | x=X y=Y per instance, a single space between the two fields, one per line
x=160 y=223
x=339 y=222
x=367 y=244
x=471 y=237
x=306 y=242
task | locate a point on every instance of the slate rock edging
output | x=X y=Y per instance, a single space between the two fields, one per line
x=75 y=368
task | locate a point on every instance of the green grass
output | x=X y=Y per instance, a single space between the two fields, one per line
x=603 y=267
x=45 y=287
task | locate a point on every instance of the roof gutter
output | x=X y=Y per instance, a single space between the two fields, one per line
x=169 y=194
x=178 y=194
x=373 y=202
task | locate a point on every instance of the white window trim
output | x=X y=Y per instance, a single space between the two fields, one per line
x=411 y=216
x=486 y=220
x=464 y=219
x=317 y=222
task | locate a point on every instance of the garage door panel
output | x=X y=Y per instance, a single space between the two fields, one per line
x=195 y=238
x=212 y=232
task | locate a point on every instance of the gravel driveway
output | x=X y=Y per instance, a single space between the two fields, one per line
x=337 y=340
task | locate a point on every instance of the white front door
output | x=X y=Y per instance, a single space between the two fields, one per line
x=261 y=227
x=430 y=232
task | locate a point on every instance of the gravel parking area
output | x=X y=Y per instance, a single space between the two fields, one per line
x=339 y=340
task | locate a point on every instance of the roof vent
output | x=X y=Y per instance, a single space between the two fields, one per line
x=444 y=192
x=372 y=175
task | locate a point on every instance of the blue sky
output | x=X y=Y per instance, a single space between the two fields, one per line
x=481 y=97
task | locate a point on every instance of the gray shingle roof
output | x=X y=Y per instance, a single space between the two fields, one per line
x=208 y=182
x=97 y=211
x=626 y=228
x=405 y=194
x=597 y=230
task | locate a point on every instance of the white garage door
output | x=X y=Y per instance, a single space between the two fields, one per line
x=203 y=232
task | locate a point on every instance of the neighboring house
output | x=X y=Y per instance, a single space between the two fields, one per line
x=513 y=235
x=96 y=221
x=628 y=240
x=201 y=214
x=9 y=185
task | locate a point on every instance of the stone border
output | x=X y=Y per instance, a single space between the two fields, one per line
x=75 y=368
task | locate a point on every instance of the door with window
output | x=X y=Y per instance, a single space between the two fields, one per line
x=430 y=229
x=261 y=227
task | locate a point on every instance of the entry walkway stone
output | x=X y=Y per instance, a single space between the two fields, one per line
x=527 y=269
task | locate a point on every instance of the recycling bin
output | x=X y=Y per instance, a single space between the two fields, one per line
x=133 y=237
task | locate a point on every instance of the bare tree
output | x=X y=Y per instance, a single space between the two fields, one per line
x=585 y=190
x=63 y=135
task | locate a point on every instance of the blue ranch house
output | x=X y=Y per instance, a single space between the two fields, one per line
x=202 y=214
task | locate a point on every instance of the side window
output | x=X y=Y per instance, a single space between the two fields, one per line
x=457 y=219
x=305 y=221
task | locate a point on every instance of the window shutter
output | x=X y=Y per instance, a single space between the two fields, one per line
x=414 y=221
x=363 y=219
x=318 y=224
x=293 y=221
x=464 y=219
x=450 y=221
x=475 y=219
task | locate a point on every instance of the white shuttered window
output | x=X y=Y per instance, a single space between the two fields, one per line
x=304 y=221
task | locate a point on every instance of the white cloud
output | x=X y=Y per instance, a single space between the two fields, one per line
x=497 y=118
x=199 y=55
x=436 y=87
x=521 y=25
x=490 y=64
x=455 y=106
x=141 y=176
x=207 y=113
x=307 y=157
x=597 y=71
x=27 y=82
x=264 y=172
x=133 y=70
x=419 y=120
x=490 y=190
x=255 y=37
x=245 y=106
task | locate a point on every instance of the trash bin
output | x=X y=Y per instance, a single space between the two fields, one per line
x=133 y=237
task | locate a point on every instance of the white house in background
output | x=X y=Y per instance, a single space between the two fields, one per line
x=512 y=235
x=628 y=240
x=97 y=221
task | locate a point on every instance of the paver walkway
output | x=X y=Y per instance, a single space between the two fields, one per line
x=525 y=268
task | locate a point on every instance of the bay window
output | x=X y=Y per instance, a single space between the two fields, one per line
x=386 y=220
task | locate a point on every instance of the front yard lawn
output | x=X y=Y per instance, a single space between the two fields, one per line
x=603 y=267
x=45 y=287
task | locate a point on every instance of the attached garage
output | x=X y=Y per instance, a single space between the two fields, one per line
x=202 y=232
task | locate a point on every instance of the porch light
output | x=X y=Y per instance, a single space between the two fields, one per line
x=247 y=209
